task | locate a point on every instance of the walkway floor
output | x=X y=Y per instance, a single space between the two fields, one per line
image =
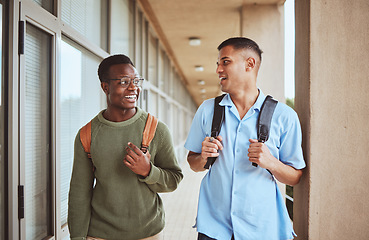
x=181 y=206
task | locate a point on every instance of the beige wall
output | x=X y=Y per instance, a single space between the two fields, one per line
x=265 y=25
x=332 y=100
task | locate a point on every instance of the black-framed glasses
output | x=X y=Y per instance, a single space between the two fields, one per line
x=126 y=81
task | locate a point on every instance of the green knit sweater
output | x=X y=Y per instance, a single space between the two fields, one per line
x=120 y=204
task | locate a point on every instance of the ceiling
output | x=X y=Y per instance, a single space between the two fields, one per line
x=212 y=21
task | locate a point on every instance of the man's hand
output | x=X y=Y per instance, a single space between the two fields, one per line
x=210 y=147
x=259 y=153
x=137 y=161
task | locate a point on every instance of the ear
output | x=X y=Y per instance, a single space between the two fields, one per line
x=105 y=87
x=250 y=64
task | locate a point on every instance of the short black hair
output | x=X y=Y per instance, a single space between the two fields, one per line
x=241 y=43
x=103 y=70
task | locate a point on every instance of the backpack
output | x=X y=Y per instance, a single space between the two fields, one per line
x=263 y=124
x=148 y=135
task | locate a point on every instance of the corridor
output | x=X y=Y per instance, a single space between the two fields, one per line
x=181 y=206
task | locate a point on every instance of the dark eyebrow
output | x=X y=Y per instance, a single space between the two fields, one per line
x=223 y=58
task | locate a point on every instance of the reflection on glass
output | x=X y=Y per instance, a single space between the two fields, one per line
x=80 y=100
x=37 y=152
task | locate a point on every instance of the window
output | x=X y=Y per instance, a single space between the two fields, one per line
x=80 y=100
x=153 y=60
x=163 y=110
x=162 y=67
x=46 y=4
x=122 y=28
x=37 y=134
x=153 y=103
x=88 y=17
x=139 y=41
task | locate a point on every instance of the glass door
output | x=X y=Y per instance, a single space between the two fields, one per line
x=36 y=116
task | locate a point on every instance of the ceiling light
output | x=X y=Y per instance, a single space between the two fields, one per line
x=199 y=68
x=194 y=41
x=201 y=82
x=203 y=90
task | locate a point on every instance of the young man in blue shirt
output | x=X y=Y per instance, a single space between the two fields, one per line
x=237 y=200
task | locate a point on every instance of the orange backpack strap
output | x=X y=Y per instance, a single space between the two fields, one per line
x=149 y=132
x=85 y=136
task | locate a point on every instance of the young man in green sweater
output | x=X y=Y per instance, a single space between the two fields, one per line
x=123 y=203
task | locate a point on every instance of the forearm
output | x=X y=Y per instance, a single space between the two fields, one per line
x=284 y=173
x=196 y=162
x=163 y=180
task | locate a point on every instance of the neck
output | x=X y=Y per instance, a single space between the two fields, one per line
x=115 y=115
x=245 y=100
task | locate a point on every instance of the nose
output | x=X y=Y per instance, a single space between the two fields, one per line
x=131 y=86
x=219 y=69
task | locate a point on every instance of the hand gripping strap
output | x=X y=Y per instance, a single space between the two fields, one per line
x=149 y=132
x=85 y=136
x=216 y=125
x=265 y=119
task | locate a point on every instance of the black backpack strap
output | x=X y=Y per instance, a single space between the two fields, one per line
x=218 y=118
x=265 y=119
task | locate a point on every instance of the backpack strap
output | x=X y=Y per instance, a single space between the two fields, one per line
x=218 y=118
x=85 y=136
x=148 y=135
x=149 y=132
x=265 y=119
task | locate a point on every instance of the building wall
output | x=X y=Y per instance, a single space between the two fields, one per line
x=264 y=23
x=332 y=48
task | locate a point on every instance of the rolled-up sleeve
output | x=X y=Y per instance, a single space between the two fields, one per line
x=165 y=173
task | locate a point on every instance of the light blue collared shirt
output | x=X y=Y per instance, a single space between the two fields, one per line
x=235 y=197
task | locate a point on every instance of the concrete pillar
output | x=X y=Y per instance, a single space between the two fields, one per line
x=265 y=25
x=332 y=100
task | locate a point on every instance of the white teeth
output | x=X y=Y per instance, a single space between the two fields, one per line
x=131 y=96
x=223 y=78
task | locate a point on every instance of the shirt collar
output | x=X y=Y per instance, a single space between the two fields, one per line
x=227 y=101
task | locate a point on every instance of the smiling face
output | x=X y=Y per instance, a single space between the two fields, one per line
x=118 y=96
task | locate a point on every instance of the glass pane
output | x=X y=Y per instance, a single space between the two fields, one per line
x=122 y=27
x=153 y=103
x=2 y=119
x=138 y=42
x=88 y=17
x=163 y=109
x=153 y=60
x=37 y=134
x=145 y=29
x=161 y=69
x=167 y=74
x=78 y=105
x=46 y=4
x=175 y=125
